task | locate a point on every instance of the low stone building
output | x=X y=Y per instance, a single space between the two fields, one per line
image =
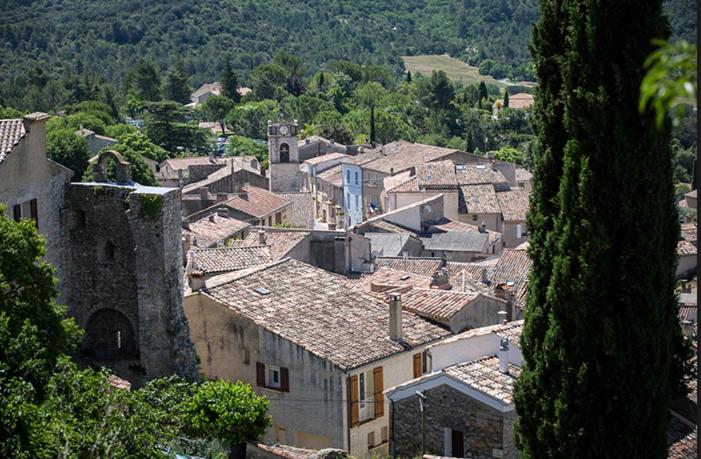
x=256 y=206
x=95 y=141
x=465 y=401
x=213 y=230
x=514 y=207
x=321 y=353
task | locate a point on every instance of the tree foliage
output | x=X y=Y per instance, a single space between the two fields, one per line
x=68 y=149
x=177 y=84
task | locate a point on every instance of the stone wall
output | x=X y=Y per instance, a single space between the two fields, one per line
x=284 y=177
x=123 y=279
x=482 y=426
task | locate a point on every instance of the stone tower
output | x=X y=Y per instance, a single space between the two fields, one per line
x=283 y=154
x=123 y=281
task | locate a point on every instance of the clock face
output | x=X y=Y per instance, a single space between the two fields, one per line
x=284 y=130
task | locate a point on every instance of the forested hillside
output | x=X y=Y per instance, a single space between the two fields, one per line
x=106 y=37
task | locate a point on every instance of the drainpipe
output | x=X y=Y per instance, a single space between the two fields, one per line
x=422 y=406
x=392 y=442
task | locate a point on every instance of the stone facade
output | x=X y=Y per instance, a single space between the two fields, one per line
x=484 y=428
x=283 y=151
x=123 y=279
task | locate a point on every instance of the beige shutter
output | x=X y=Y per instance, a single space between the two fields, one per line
x=354 y=408
x=260 y=374
x=379 y=387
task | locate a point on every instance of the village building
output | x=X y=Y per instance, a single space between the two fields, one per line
x=514 y=207
x=320 y=353
x=207 y=90
x=213 y=230
x=524 y=179
x=95 y=141
x=463 y=406
x=256 y=206
x=215 y=261
x=302 y=210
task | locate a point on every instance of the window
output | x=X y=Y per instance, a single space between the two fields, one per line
x=106 y=252
x=272 y=377
x=357 y=202
x=453 y=443
x=284 y=153
x=474 y=218
x=366 y=395
x=366 y=398
x=427 y=362
x=26 y=209
x=356 y=177
x=278 y=218
x=348 y=176
x=347 y=200
x=270 y=221
x=384 y=434
x=422 y=364
x=518 y=231
x=371 y=439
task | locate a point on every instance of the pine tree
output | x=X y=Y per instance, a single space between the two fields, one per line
x=372 y=125
x=144 y=81
x=408 y=76
x=601 y=326
x=177 y=86
x=230 y=84
x=506 y=99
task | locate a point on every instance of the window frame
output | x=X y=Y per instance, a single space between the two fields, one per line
x=273 y=370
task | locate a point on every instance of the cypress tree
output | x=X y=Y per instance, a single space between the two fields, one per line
x=601 y=327
x=372 y=125
x=321 y=82
x=482 y=92
x=506 y=99
x=230 y=84
x=408 y=76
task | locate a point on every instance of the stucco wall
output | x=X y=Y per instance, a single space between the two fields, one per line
x=508 y=231
x=493 y=221
x=284 y=177
x=482 y=312
x=450 y=200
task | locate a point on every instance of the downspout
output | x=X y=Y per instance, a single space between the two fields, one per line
x=392 y=443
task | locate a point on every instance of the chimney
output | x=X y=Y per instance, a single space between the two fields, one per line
x=483 y=227
x=485 y=277
x=197 y=280
x=243 y=194
x=504 y=356
x=221 y=197
x=212 y=219
x=204 y=193
x=391 y=171
x=261 y=237
x=395 y=316
x=440 y=280
x=223 y=212
x=306 y=141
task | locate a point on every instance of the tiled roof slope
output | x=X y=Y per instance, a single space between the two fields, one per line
x=514 y=265
x=208 y=231
x=280 y=241
x=422 y=266
x=302 y=209
x=484 y=375
x=437 y=174
x=689 y=232
x=513 y=205
x=681 y=439
x=315 y=310
x=385 y=279
x=473 y=270
x=685 y=247
x=228 y=259
x=11 y=132
x=478 y=174
x=437 y=304
x=480 y=199
x=401 y=155
x=258 y=203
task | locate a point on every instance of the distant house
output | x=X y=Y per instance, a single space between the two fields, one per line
x=95 y=142
x=319 y=352
x=208 y=90
x=213 y=230
x=690 y=198
x=514 y=207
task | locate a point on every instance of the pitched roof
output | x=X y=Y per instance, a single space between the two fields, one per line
x=456 y=241
x=689 y=232
x=478 y=174
x=383 y=226
x=385 y=279
x=513 y=204
x=228 y=259
x=281 y=241
x=445 y=224
x=215 y=87
x=401 y=155
x=392 y=181
x=258 y=202
x=474 y=270
x=332 y=175
x=387 y=244
x=691 y=194
x=11 y=133
x=424 y=266
x=681 y=439
x=323 y=158
x=685 y=247
x=521 y=100
x=511 y=330
x=302 y=209
x=480 y=199
x=439 y=174
x=209 y=231
x=315 y=310
x=484 y=375
x=514 y=265
x=437 y=304
x=523 y=175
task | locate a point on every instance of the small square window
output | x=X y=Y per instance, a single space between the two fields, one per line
x=474 y=218
x=371 y=439
x=273 y=377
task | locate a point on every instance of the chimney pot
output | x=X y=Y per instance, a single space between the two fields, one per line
x=261 y=237
x=211 y=218
x=223 y=212
x=504 y=356
x=197 y=280
x=395 y=316
x=483 y=227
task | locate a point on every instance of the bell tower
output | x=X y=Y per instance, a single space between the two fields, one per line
x=283 y=156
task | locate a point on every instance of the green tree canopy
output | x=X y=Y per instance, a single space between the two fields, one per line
x=144 y=81
x=177 y=84
x=230 y=84
x=216 y=109
x=68 y=149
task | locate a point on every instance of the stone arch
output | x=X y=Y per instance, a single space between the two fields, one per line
x=284 y=153
x=122 y=167
x=109 y=334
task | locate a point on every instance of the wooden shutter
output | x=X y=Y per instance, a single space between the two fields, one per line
x=379 y=400
x=17 y=212
x=354 y=408
x=34 y=211
x=260 y=374
x=417 y=365
x=284 y=380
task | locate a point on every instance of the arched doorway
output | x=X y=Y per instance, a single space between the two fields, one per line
x=284 y=153
x=110 y=335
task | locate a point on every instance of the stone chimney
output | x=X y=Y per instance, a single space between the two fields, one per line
x=196 y=280
x=485 y=277
x=506 y=292
x=440 y=280
x=483 y=227
x=504 y=356
x=223 y=212
x=204 y=193
x=212 y=219
x=261 y=237
x=395 y=316
x=221 y=197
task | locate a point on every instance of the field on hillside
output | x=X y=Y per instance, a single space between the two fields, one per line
x=456 y=70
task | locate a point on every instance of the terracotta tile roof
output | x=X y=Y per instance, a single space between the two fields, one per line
x=456 y=241
x=259 y=202
x=473 y=270
x=521 y=101
x=480 y=199
x=478 y=174
x=11 y=132
x=681 y=439
x=393 y=181
x=408 y=186
x=315 y=310
x=227 y=259
x=685 y=247
x=513 y=205
x=513 y=265
x=437 y=304
x=302 y=209
x=118 y=383
x=401 y=155
x=484 y=375
x=523 y=175
x=382 y=226
x=691 y=194
x=422 y=266
x=280 y=241
x=215 y=88
x=439 y=174
x=324 y=158
x=385 y=279
x=689 y=232
x=209 y=231
x=332 y=175
x=511 y=330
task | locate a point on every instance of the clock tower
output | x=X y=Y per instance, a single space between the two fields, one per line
x=283 y=156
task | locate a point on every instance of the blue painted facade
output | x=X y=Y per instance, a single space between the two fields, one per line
x=353 y=193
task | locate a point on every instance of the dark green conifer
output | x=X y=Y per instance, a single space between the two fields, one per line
x=601 y=325
x=506 y=99
x=230 y=84
x=408 y=76
x=372 y=125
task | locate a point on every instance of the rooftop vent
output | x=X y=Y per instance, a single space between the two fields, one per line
x=481 y=166
x=460 y=167
x=262 y=291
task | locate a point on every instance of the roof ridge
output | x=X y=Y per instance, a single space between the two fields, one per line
x=232 y=247
x=225 y=279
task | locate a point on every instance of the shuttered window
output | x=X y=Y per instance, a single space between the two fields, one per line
x=17 y=212
x=379 y=387
x=260 y=374
x=354 y=408
x=417 y=365
x=272 y=377
x=284 y=380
